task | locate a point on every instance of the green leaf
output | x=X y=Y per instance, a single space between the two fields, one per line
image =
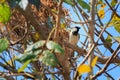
x=99 y=2
x=69 y=2
x=53 y=77
x=108 y=41
x=5 y=13
x=54 y=46
x=35 y=46
x=26 y=57
x=116 y=23
x=117 y=38
x=24 y=66
x=117 y=27
x=113 y=3
x=4 y=43
x=48 y=58
x=83 y=4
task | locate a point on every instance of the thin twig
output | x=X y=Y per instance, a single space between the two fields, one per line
x=113 y=10
x=107 y=64
x=106 y=72
x=14 y=42
x=58 y=16
x=80 y=21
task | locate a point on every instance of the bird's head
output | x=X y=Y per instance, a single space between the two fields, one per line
x=75 y=30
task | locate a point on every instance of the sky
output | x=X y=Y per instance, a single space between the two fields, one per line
x=116 y=71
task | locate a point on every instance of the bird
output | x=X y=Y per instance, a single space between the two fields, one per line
x=74 y=35
x=73 y=39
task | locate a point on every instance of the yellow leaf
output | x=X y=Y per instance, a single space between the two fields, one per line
x=101 y=13
x=103 y=6
x=24 y=66
x=83 y=68
x=36 y=36
x=54 y=11
x=1 y=1
x=115 y=17
x=63 y=25
x=94 y=61
x=115 y=20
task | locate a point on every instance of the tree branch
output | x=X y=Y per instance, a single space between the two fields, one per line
x=107 y=63
x=58 y=16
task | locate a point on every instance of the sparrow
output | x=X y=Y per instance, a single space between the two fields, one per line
x=74 y=36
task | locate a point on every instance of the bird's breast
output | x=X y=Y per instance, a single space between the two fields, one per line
x=73 y=39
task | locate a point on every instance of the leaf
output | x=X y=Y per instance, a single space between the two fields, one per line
x=36 y=46
x=4 y=43
x=24 y=66
x=26 y=57
x=1 y=1
x=48 y=58
x=54 y=11
x=69 y=2
x=117 y=27
x=84 y=5
x=113 y=3
x=5 y=13
x=99 y=2
x=103 y=6
x=54 y=46
x=53 y=77
x=63 y=25
x=94 y=61
x=117 y=38
x=101 y=13
x=83 y=68
x=36 y=36
x=116 y=23
x=108 y=41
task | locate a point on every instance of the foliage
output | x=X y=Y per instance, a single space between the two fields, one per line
x=34 y=52
x=84 y=5
x=84 y=68
x=4 y=43
x=101 y=13
x=54 y=46
x=5 y=13
x=34 y=39
x=48 y=58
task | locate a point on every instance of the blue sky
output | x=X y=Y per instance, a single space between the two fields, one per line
x=116 y=71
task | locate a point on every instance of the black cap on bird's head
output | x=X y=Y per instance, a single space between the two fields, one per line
x=77 y=27
x=75 y=30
